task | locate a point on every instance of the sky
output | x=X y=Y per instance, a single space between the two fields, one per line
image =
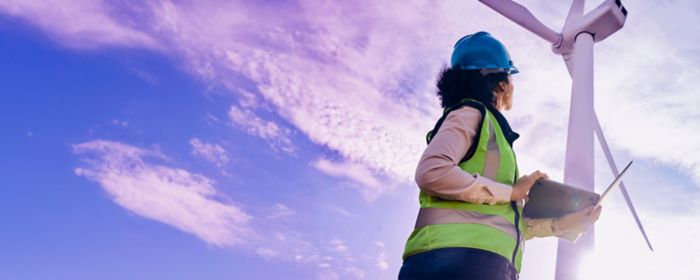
x=278 y=139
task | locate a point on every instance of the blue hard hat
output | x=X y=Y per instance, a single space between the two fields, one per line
x=482 y=51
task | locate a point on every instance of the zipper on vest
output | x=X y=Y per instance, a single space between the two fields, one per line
x=517 y=231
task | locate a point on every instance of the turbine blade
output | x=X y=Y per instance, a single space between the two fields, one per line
x=522 y=17
x=575 y=11
x=569 y=61
x=611 y=162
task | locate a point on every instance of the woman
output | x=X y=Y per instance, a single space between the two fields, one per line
x=470 y=225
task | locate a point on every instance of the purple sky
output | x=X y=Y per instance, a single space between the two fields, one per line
x=223 y=139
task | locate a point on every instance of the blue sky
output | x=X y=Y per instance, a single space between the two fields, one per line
x=193 y=140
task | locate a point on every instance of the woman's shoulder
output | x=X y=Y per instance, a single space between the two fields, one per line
x=463 y=118
x=465 y=112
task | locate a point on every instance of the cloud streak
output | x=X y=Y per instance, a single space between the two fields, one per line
x=213 y=153
x=248 y=121
x=80 y=24
x=172 y=196
x=369 y=185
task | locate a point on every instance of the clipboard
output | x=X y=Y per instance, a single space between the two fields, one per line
x=550 y=199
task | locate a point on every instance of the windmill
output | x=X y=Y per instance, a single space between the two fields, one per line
x=575 y=44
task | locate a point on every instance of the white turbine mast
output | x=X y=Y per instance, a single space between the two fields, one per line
x=575 y=44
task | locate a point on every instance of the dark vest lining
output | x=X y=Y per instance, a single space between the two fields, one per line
x=508 y=132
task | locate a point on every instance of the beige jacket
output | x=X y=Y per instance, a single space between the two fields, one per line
x=438 y=173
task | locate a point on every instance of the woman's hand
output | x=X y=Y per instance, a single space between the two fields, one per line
x=578 y=222
x=523 y=185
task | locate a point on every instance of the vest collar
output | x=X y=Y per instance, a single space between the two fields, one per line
x=508 y=132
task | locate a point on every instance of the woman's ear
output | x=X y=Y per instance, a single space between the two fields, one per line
x=501 y=96
x=502 y=87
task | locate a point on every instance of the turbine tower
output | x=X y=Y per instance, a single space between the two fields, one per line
x=575 y=44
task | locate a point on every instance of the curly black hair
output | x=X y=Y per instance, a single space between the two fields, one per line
x=454 y=85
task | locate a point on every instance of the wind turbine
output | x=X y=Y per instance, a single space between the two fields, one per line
x=575 y=44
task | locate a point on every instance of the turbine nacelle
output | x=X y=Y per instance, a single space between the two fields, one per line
x=601 y=22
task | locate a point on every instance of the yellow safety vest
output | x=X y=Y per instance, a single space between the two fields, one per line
x=448 y=223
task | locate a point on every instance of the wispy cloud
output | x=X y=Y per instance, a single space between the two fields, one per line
x=340 y=211
x=118 y=122
x=80 y=24
x=278 y=137
x=370 y=186
x=281 y=211
x=172 y=196
x=345 y=260
x=213 y=153
x=381 y=258
x=355 y=272
x=338 y=245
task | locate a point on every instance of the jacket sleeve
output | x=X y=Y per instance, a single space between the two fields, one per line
x=438 y=172
x=538 y=228
x=545 y=228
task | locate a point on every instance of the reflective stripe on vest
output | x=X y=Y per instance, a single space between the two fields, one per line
x=445 y=223
x=436 y=216
x=493 y=156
